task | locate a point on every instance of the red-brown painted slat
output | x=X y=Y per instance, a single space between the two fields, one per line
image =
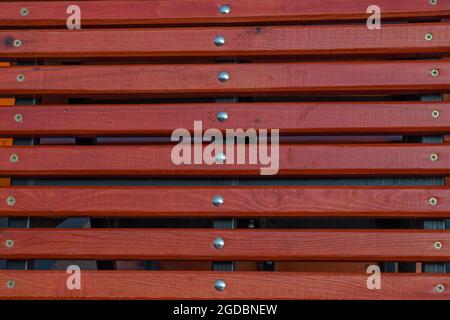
x=244 y=244
x=258 y=78
x=238 y=201
x=206 y=11
x=244 y=41
x=239 y=285
x=294 y=160
x=298 y=118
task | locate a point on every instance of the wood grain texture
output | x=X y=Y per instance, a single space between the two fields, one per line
x=243 y=41
x=206 y=11
x=289 y=118
x=245 y=245
x=238 y=201
x=239 y=285
x=253 y=78
x=294 y=160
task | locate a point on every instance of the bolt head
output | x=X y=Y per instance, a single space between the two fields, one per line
x=435 y=114
x=435 y=73
x=13 y=158
x=222 y=116
x=24 y=12
x=218 y=201
x=433 y=2
x=219 y=41
x=433 y=201
x=10 y=284
x=11 y=201
x=220 y=285
x=18 y=118
x=9 y=243
x=429 y=36
x=218 y=243
x=440 y=288
x=224 y=9
x=20 y=78
x=223 y=76
x=438 y=245
x=17 y=43
x=220 y=158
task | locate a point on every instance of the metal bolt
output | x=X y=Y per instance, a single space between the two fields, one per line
x=11 y=201
x=438 y=245
x=219 y=41
x=433 y=2
x=220 y=158
x=20 y=77
x=429 y=36
x=18 y=117
x=434 y=157
x=24 y=11
x=222 y=116
x=440 y=288
x=9 y=243
x=17 y=43
x=433 y=201
x=434 y=73
x=13 y=158
x=435 y=114
x=218 y=243
x=223 y=76
x=10 y=284
x=218 y=201
x=224 y=9
x=220 y=285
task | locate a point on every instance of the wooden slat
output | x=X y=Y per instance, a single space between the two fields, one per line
x=244 y=41
x=258 y=78
x=6 y=102
x=239 y=285
x=294 y=160
x=246 y=245
x=206 y=11
x=238 y=201
x=289 y=118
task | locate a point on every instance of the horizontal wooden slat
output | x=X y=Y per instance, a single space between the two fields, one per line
x=238 y=201
x=246 y=245
x=258 y=78
x=239 y=285
x=289 y=118
x=294 y=160
x=244 y=41
x=44 y=13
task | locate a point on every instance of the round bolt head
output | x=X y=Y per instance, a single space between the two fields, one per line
x=20 y=78
x=438 y=245
x=440 y=288
x=24 y=11
x=434 y=73
x=435 y=114
x=219 y=41
x=17 y=43
x=433 y=2
x=9 y=243
x=433 y=201
x=222 y=116
x=220 y=285
x=220 y=158
x=10 y=201
x=18 y=118
x=218 y=243
x=429 y=36
x=223 y=76
x=434 y=157
x=13 y=158
x=224 y=9
x=10 y=284
x=218 y=201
